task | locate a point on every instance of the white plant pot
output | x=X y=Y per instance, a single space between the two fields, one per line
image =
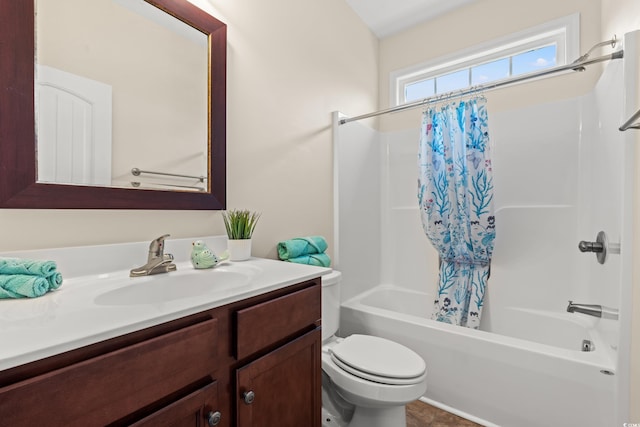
x=239 y=249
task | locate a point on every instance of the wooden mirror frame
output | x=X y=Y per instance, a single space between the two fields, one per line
x=18 y=172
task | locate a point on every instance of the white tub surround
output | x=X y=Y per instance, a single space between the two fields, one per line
x=98 y=300
x=562 y=173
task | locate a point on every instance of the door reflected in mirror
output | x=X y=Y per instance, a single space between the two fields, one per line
x=120 y=85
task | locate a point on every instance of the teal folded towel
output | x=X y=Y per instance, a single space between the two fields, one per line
x=26 y=278
x=23 y=286
x=55 y=280
x=321 y=260
x=299 y=246
x=27 y=266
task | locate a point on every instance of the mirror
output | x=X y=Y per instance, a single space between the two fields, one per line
x=24 y=182
x=120 y=86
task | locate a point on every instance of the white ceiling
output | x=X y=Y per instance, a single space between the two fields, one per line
x=386 y=17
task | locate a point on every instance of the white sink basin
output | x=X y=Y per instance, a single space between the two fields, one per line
x=99 y=301
x=167 y=287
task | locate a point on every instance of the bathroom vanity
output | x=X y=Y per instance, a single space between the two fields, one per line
x=244 y=356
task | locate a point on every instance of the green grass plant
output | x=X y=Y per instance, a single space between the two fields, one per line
x=240 y=223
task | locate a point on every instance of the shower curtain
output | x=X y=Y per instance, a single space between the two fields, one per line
x=455 y=192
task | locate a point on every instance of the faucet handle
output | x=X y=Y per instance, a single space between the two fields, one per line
x=156 y=247
x=600 y=247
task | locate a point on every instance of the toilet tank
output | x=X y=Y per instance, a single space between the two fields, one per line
x=330 y=304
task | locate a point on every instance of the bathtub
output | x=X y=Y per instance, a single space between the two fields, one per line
x=528 y=370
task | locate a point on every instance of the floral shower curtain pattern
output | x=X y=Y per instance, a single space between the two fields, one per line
x=455 y=192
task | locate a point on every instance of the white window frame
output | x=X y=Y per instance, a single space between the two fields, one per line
x=563 y=32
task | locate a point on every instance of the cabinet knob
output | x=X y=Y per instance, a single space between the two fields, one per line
x=213 y=418
x=248 y=397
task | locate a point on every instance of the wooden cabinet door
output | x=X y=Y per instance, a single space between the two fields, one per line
x=282 y=388
x=198 y=409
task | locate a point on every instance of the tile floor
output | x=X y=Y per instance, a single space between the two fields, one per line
x=419 y=414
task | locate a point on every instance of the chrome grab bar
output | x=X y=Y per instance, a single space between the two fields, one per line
x=138 y=184
x=138 y=172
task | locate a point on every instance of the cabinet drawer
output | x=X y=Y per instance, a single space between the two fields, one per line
x=101 y=390
x=263 y=324
x=190 y=411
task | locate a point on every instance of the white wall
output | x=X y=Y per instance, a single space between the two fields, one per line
x=358 y=153
x=410 y=259
x=618 y=17
x=536 y=161
x=290 y=64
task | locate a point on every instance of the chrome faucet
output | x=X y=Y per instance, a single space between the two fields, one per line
x=593 y=310
x=157 y=260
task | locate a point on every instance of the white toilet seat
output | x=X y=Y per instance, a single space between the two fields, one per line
x=363 y=392
x=379 y=360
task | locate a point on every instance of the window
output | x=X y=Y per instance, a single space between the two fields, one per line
x=545 y=46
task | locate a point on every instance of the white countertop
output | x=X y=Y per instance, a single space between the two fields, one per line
x=83 y=312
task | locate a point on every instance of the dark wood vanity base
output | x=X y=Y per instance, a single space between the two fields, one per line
x=255 y=362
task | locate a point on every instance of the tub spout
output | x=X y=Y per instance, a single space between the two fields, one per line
x=593 y=310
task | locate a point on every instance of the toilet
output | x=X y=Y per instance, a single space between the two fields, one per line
x=366 y=380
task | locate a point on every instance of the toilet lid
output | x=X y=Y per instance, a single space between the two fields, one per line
x=378 y=359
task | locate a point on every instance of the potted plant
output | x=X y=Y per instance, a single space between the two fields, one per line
x=240 y=225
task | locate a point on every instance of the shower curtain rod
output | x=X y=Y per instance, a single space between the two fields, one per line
x=577 y=65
